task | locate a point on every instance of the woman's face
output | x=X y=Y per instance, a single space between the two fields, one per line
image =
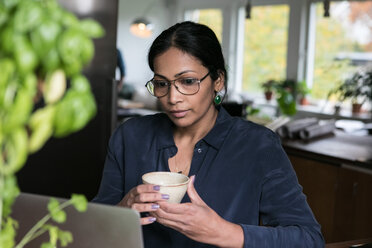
x=186 y=110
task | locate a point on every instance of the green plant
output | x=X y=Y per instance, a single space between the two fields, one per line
x=286 y=96
x=301 y=89
x=43 y=49
x=269 y=85
x=357 y=88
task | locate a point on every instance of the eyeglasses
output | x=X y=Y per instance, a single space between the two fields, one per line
x=186 y=86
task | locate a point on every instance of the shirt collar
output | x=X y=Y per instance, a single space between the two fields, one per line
x=215 y=137
x=221 y=128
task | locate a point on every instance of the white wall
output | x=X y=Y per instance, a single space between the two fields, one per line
x=135 y=49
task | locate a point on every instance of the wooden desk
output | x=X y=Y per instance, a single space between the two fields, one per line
x=339 y=148
x=347 y=244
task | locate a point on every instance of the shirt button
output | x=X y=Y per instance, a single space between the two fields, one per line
x=200 y=150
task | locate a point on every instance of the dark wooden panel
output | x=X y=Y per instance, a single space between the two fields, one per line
x=319 y=182
x=353 y=217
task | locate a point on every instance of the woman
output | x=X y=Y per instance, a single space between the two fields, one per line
x=243 y=192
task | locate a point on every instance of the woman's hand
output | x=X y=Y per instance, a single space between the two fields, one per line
x=144 y=198
x=199 y=222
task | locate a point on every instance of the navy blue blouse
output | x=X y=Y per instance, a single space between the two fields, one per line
x=241 y=171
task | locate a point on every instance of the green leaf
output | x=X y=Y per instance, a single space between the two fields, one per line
x=20 y=111
x=28 y=16
x=47 y=245
x=10 y=3
x=15 y=146
x=91 y=28
x=64 y=118
x=51 y=61
x=80 y=202
x=8 y=193
x=41 y=125
x=7 y=71
x=68 y=19
x=3 y=15
x=53 y=205
x=80 y=83
x=65 y=237
x=87 y=51
x=44 y=37
x=75 y=49
x=53 y=234
x=57 y=215
x=26 y=58
x=8 y=233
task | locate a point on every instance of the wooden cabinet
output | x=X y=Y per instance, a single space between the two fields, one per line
x=340 y=197
x=353 y=216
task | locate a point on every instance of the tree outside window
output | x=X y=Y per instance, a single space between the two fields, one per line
x=343 y=42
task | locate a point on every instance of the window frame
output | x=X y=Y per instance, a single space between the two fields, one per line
x=301 y=35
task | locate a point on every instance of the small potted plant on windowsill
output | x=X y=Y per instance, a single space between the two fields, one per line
x=302 y=91
x=357 y=89
x=268 y=88
x=285 y=91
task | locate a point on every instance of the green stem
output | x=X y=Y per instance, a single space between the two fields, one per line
x=36 y=228
x=37 y=234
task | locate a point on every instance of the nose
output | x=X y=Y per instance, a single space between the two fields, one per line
x=174 y=95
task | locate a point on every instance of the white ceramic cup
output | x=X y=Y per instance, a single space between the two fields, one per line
x=171 y=183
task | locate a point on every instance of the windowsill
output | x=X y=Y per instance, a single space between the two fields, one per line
x=322 y=111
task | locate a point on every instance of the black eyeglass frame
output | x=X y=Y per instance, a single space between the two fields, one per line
x=174 y=82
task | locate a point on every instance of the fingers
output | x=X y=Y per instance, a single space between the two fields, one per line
x=183 y=208
x=147 y=220
x=145 y=188
x=193 y=194
x=147 y=193
x=148 y=207
x=143 y=197
x=168 y=219
x=150 y=197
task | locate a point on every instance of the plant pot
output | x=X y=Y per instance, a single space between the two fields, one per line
x=304 y=101
x=356 y=108
x=268 y=95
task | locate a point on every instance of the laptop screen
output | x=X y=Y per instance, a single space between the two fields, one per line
x=100 y=226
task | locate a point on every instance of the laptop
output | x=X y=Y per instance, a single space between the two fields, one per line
x=100 y=226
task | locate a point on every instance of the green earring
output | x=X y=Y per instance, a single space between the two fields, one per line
x=217 y=99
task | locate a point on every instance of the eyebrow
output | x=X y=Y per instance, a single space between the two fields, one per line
x=176 y=75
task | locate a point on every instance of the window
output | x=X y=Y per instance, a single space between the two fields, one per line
x=265 y=46
x=342 y=42
x=210 y=17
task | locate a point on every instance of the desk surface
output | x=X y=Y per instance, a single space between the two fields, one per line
x=347 y=244
x=338 y=148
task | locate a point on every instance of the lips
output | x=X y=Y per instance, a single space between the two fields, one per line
x=178 y=113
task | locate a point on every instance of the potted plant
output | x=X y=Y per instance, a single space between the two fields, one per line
x=302 y=91
x=43 y=49
x=357 y=88
x=268 y=88
x=286 y=96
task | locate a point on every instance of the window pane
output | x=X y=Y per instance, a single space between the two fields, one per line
x=265 y=46
x=210 y=17
x=342 y=42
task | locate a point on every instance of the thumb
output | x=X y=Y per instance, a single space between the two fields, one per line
x=193 y=195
